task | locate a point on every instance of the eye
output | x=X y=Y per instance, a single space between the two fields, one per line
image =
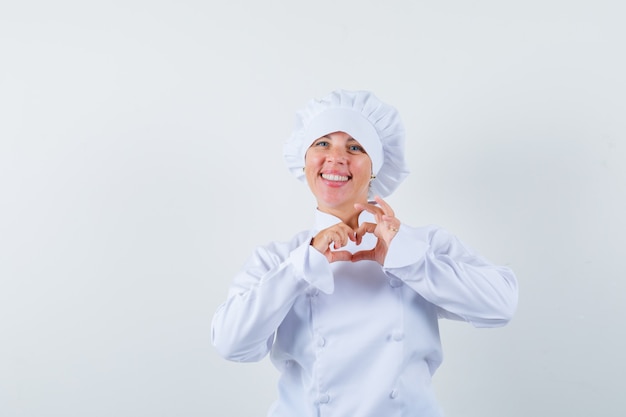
x=356 y=149
x=321 y=143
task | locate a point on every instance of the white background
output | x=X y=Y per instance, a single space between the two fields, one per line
x=140 y=164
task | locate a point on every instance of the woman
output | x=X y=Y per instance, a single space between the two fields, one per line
x=349 y=309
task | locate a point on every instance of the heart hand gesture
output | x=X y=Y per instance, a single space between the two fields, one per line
x=384 y=229
x=337 y=236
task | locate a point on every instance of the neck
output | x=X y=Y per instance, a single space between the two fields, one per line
x=348 y=215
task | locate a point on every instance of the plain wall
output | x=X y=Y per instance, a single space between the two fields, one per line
x=140 y=164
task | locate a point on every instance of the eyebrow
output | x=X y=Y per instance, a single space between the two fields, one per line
x=349 y=139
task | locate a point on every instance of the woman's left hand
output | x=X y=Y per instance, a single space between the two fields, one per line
x=385 y=229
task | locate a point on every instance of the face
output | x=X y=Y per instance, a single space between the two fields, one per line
x=338 y=172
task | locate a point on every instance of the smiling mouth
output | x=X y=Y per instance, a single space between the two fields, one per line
x=332 y=177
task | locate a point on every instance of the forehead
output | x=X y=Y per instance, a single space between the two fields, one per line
x=340 y=136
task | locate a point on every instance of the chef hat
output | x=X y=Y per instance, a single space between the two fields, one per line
x=374 y=124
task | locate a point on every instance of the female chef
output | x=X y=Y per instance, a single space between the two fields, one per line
x=349 y=309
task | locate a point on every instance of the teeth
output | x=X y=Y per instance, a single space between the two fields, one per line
x=331 y=177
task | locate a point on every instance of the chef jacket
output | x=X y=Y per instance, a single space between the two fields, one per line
x=357 y=339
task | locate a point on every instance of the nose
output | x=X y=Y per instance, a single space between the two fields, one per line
x=337 y=155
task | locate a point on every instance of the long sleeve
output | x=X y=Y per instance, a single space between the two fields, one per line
x=461 y=283
x=262 y=294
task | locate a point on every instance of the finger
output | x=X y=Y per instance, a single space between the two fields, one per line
x=324 y=240
x=340 y=255
x=344 y=230
x=387 y=210
x=372 y=208
x=336 y=240
x=389 y=219
x=364 y=228
x=348 y=232
x=340 y=236
x=393 y=226
x=364 y=255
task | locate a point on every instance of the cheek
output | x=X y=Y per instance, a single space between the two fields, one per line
x=310 y=167
x=365 y=167
x=312 y=160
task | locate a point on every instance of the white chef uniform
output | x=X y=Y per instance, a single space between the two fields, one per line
x=358 y=339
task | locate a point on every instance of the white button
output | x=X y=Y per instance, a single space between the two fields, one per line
x=323 y=399
x=397 y=335
x=321 y=341
x=395 y=282
x=393 y=394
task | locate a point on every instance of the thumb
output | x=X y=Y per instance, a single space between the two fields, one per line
x=364 y=255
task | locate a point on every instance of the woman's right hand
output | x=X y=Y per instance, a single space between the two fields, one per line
x=337 y=236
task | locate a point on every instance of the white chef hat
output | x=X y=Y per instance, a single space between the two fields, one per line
x=374 y=124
